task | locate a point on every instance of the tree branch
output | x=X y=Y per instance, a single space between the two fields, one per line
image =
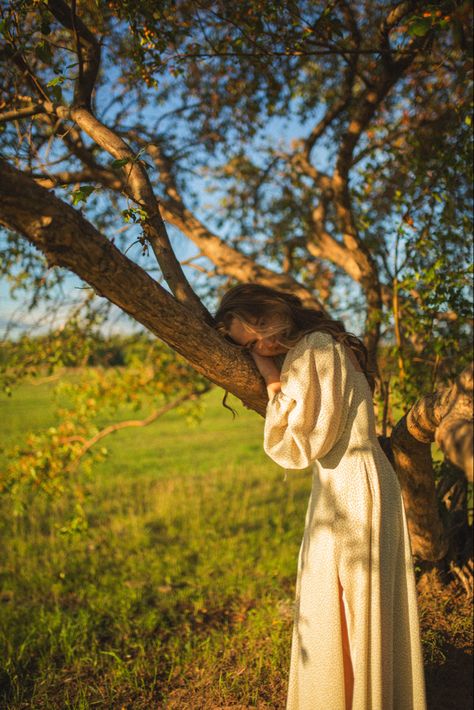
x=347 y=86
x=138 y=187
x=389 y=73
x=359 y=117
x=70 y=241
x=24 y=112
x=88 y=55
x=446 y=417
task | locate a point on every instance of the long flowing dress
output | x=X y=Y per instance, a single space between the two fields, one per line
x=355 y=536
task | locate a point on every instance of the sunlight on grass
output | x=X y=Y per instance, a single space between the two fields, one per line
x=178 y=594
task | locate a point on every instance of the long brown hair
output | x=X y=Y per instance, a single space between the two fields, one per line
x=253 y=304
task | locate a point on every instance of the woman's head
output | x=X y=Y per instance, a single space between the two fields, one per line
x=259 y=318
x=270 y=322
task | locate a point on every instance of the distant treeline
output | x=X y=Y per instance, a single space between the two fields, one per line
x=73 y=350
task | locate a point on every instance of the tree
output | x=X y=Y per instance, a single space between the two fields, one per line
x=128 y=111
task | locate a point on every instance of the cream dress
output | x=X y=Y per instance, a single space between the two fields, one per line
x=355 y=534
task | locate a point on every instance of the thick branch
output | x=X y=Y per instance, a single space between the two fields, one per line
x=360 y=115
x=389 y=72
x=229 y=260
x=324 y=246
x=321 y=244
x=347 y=86
x=138 y=186
x=68 y=240
x=352 y=256
x=414 y=467
x=446 y=417
x=359 y=253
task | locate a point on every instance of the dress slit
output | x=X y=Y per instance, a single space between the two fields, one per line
x=346 y=651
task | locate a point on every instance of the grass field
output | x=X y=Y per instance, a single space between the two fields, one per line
x=179 y=592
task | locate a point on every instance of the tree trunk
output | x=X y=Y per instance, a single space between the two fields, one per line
x=445 y=417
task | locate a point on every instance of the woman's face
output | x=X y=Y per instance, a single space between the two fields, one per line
x=269 y=345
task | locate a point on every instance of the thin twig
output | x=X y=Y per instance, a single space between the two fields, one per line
x=128 y=423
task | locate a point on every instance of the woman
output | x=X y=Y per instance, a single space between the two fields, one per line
x=356 y=642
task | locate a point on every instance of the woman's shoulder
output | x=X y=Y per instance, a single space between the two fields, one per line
x=316 y=340
x=313 y=341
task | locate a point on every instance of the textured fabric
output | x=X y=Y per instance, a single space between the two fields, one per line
x=355 y=534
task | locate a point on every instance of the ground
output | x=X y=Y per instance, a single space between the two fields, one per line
x=446 y=624
x=176 y=594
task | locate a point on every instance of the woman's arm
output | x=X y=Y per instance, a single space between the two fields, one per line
x=270 y=373
x=306 y=419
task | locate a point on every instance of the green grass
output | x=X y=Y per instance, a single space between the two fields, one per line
x=178 y=594
x=29 y=408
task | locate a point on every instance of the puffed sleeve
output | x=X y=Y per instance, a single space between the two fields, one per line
x=306 y=418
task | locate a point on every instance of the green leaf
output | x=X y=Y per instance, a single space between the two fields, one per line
x=55 y=86
x=419 y=28
x=56 y=81
x=135 y=215
x=82 y=194
x=119 y=163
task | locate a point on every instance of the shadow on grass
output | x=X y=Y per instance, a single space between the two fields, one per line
x=449 y=685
